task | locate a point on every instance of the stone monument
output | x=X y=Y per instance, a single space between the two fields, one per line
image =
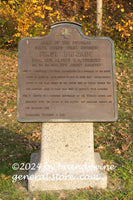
x=66 y=80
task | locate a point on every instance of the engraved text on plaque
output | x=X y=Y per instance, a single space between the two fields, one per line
x=66 y=76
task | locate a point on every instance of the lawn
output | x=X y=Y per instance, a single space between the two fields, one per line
x=112 y=140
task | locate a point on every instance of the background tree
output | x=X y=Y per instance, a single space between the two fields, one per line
x=20 y=18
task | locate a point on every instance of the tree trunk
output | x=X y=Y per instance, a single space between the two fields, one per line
x=99 y=17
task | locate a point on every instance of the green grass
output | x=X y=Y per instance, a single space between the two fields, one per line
x=19 y=140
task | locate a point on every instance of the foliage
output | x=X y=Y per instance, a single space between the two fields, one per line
x=32 y=18
x=118 y=21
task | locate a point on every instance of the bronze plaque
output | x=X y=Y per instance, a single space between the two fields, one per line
x=66 y=76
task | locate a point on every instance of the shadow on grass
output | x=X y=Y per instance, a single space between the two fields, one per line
x=14 y=148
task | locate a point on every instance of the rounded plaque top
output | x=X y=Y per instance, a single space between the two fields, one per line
x=64 y=23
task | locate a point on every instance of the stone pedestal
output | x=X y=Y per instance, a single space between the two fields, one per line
x=66 y=159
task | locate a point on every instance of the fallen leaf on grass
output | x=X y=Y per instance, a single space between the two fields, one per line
x=118 y=151
x=124 y=147
x=101 y=147
x=104 y=162
x=6 y=178
x=4 y=84
x=128 y=139
x=90 y=188
x=101 y=128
